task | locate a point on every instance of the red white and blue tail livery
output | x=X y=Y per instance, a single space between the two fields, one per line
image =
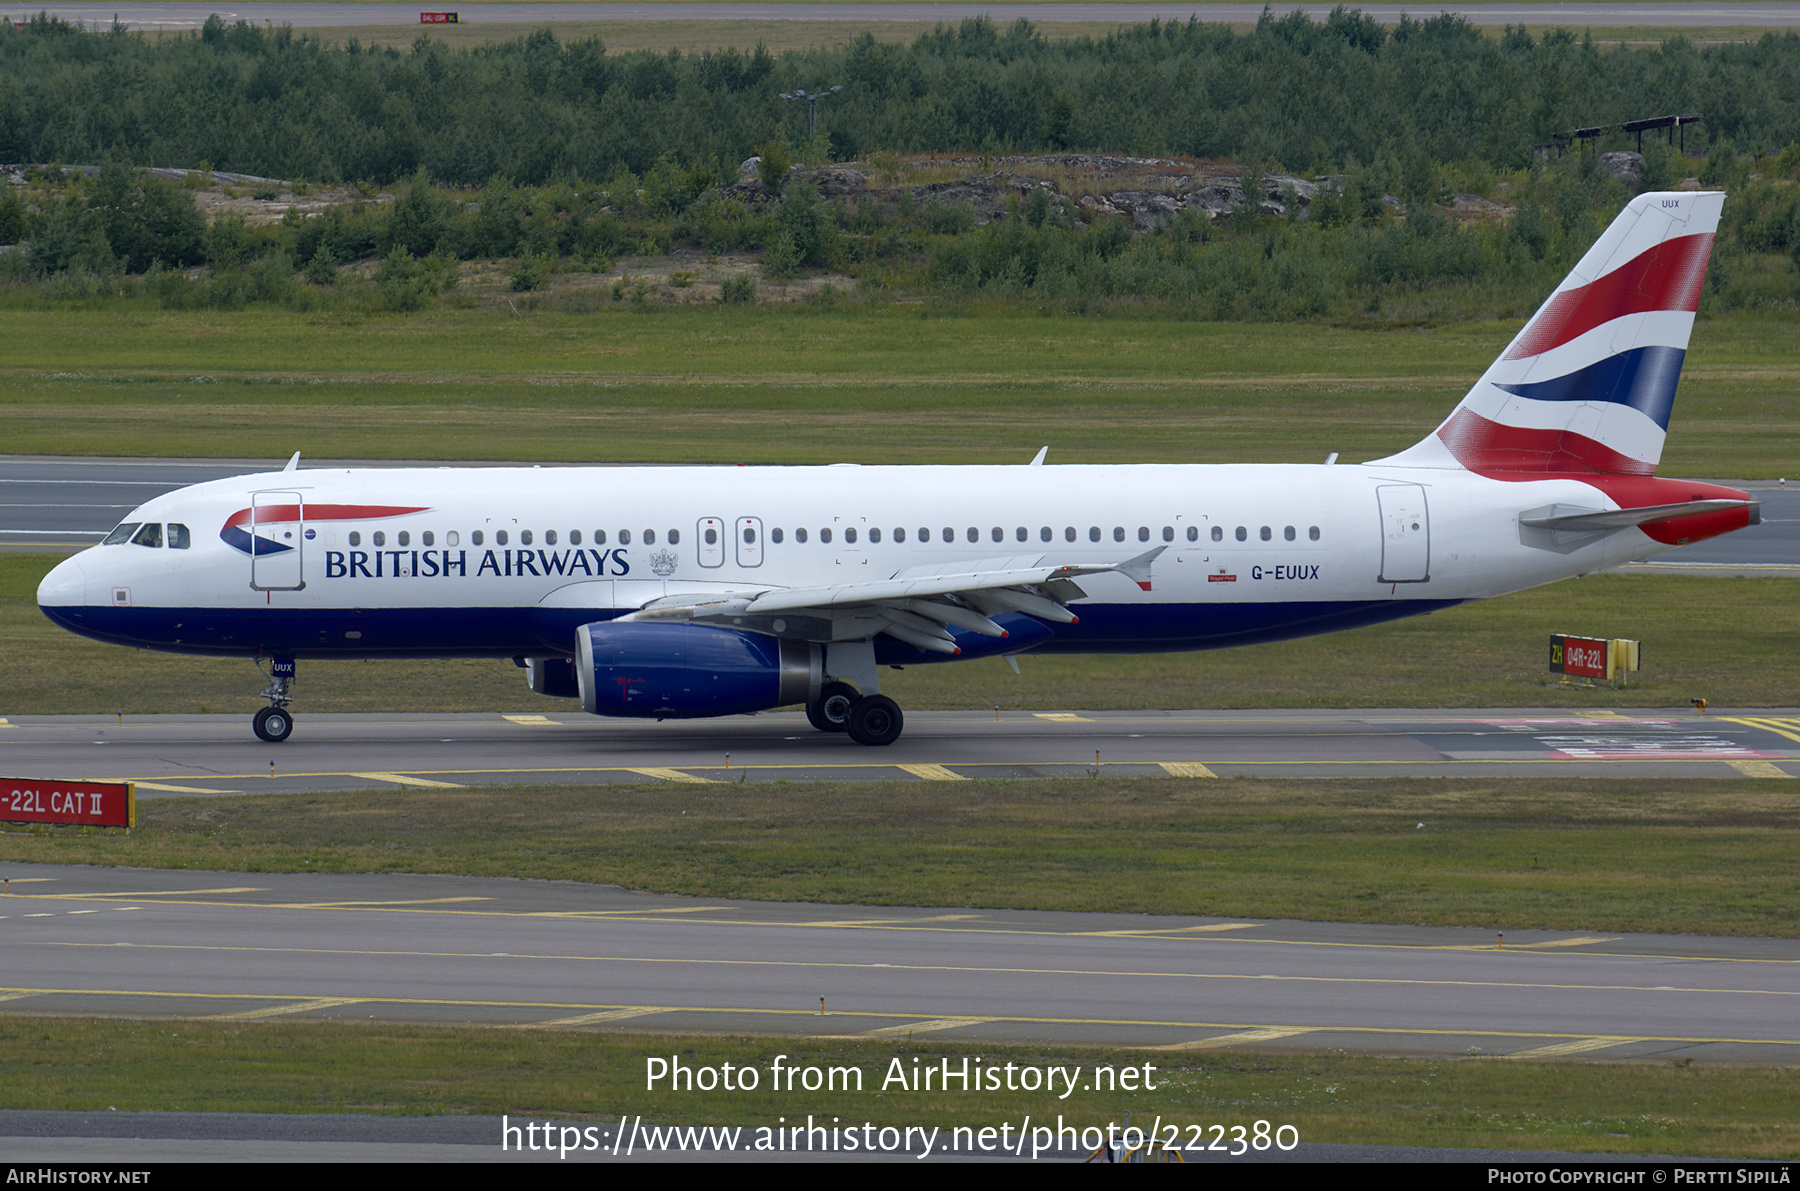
x=703 y=591
x=1588 y=385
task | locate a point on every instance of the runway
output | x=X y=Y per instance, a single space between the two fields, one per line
x=182 y=755
x=560 y=955
x=64 y=504
x=302 y=15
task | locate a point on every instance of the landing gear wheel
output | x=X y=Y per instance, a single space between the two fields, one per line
x=875 y=720
x=831 y=711
x=273 y=724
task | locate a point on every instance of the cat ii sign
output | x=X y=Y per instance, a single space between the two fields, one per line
x=80 y=804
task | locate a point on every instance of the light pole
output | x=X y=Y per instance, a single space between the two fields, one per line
x=812 y=103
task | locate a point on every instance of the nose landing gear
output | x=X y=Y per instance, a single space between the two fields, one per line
x=275 y=723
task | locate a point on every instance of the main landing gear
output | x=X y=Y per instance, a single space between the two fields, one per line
x=869 y=719
x=275 y=723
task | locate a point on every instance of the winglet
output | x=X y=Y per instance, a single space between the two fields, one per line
x=294 y=463
x=1138 y=568
x=1038 y=459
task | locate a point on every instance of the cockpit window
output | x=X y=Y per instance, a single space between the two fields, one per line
x=149 y=535
x=178 y=536
x=121 y=534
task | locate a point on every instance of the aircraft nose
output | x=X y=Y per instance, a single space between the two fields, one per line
x=65 y=586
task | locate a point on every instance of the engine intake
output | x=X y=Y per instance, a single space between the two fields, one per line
x=664 y=670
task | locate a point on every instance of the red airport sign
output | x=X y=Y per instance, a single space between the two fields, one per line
x=438 y=18
x=90 y=804
x=1584 y=657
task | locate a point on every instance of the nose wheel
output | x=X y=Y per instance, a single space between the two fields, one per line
x=275 y=723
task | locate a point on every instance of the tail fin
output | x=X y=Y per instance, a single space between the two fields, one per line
x=1587 y=386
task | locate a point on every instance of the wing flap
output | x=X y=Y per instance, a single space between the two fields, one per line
x=918 y=605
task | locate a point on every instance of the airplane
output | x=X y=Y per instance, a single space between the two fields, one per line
x=673 y=592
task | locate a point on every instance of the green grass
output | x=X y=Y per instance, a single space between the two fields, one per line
x=1705 y=857
x=143 y=1066
x=1728 y=641
x=861 y=384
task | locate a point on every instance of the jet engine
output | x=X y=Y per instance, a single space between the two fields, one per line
x=663 y=670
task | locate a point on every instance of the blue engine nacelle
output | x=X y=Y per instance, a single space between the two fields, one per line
x=671 y=670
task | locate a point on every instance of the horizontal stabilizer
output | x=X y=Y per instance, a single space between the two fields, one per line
x=1605 y=521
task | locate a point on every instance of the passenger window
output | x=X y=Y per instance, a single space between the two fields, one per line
x=899 y=534
x=1266 y=535
x=549 y=537
x=1143 y=533
x=121 y=534
x=712 y=536
x=150 y=535
x=949 y=534
x=924 y=533
x=825 y=535
x=624 y=537
x=1069 y=534
x=1168 y=533
x=452 y=538
x=799 y=534
x=1118 y=533
x=380 y=538
x=525 y=537
x=874 y=535
x=574 y=537
x=599 y=537
x=1288 y=533
x=1093 y=533
x=749 y=536
x=650 y=536
x=178 y=536
x=406 y=538
x=1044 y=534
x=999 y=534
x=475 y=538
x=775 y=535
x=1218 y=534
x=675 y=537
x=1243 y=535
x=974 y=534
x=1313 y=533
x=356 y=538
x=429 y=538
x=849 y=534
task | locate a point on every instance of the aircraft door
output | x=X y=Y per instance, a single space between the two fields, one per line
x=711 y=542
x=749 y=541
x=277 y=536
x=1405 y=534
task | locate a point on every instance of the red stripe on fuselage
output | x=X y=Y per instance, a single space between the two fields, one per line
x=269 y=514
x=1667 y=277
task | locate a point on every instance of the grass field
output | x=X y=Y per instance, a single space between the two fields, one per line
x=1688 y=856
x=1727 y=641
x=869 y=384
x=579 y=1077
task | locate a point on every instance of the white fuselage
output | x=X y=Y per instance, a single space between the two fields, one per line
x=507 y=561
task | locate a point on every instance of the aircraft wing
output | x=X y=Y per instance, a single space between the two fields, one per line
x=917 y=605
